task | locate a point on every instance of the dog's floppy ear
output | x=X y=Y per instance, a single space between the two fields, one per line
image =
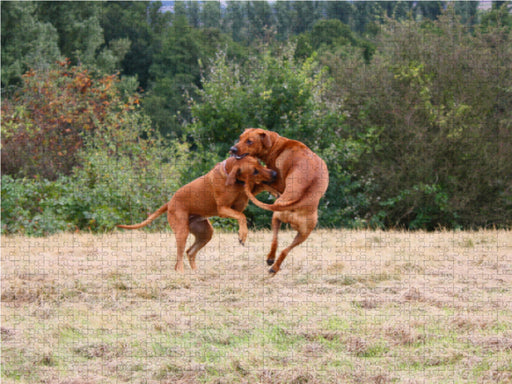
x=265 y=140
x=230 y=180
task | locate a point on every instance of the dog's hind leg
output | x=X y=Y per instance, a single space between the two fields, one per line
x=203 y=231
x=304 y=226
x=276 y=225
x=179 y=224
x=299 y=238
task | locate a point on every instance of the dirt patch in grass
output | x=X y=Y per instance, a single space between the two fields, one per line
x=347 y=307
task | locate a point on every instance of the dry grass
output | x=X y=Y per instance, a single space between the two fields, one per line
x=347 y=307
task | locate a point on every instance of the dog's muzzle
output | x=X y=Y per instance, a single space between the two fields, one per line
x=273 y=174
x=234 y=150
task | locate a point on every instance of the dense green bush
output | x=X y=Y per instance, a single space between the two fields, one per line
x=433 y=111
x=106 y=190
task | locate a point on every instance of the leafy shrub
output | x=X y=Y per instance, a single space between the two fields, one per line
x=119 y=170
x=33 y=206
x=273 y=92
x=104 y=192
x=125 y=178
x=431 y=110
x=44 y=126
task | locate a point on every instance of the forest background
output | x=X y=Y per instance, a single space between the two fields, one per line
x=109 y=107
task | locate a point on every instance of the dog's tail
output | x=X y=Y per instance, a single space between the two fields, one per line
x=285 y=206
x=151 y=217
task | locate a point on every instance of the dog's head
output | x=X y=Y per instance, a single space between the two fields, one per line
x=248 y=170
x=253 y=142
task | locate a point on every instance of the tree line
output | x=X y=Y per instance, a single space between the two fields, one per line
x=108 y=107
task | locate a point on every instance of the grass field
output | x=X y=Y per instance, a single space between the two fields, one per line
x=347 y=307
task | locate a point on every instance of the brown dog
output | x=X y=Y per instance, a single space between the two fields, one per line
x=302 y=179
x=218 y=193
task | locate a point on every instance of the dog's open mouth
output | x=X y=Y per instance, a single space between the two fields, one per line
x=239 y=157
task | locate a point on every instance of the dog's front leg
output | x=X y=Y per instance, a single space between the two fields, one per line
x=242 y=221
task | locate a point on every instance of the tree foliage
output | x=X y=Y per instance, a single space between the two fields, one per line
x=27 y=42
x=273 y=91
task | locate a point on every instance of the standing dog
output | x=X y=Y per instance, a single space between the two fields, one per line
x=302 y=179
x=218 y=193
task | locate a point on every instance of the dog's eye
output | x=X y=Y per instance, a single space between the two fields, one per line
x=255 y=172
x=248 y=142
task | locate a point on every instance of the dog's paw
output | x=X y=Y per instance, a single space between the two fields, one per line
x=270 y=261
x=179 y=268
x=242 y=237
x=272 y=272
